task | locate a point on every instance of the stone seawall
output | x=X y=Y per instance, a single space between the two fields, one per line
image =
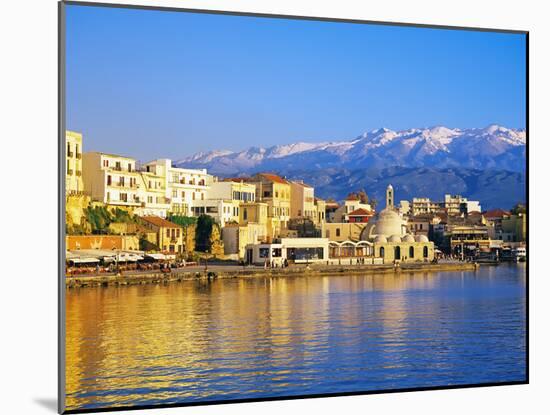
x=312 y=270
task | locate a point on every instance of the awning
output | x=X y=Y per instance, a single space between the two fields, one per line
x=158 y=257
x=84 y=260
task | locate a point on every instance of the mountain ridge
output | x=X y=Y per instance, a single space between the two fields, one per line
x=494 y=147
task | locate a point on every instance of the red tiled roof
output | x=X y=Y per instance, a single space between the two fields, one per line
x=273 y=178
x=160 y=222
x=360 y=212
x=496 y=213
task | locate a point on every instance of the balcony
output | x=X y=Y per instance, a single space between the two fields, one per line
x=78 y=156
x=70 y=154
x=79 y=173
x=70 y=172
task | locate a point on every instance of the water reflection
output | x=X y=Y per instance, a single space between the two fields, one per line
x=282 y=336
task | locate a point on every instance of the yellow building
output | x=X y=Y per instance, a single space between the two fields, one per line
x=516 y=225
x=343 y=231
x=169 y=236
x=320 y=209
x=73 y=163
x=275 y=191
x=302 y=201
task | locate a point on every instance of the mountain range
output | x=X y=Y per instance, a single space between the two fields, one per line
x=478 y=163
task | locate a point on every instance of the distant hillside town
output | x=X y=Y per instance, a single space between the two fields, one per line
x=116 y=206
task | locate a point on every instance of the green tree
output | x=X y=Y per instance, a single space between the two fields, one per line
x=203 y=233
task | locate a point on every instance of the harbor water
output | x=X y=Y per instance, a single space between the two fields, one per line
x=264 y=337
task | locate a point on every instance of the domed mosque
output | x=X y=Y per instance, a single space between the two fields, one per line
x=388 y=232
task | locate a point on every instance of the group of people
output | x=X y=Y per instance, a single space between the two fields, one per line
x=275 y=264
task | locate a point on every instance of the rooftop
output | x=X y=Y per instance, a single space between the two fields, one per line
x=360 y=212
x=160 y=222
x=273 y=178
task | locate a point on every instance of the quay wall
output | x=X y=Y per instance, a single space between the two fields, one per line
x=156 y=277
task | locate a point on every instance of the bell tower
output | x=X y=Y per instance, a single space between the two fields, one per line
x=389 y=197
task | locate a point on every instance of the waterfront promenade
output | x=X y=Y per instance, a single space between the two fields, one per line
x=214 y=271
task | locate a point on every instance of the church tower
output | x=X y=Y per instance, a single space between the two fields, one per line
x=389 y=197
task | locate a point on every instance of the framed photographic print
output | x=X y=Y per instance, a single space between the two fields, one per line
x=258 y=207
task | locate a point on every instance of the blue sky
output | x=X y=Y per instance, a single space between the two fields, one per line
x=151 y=84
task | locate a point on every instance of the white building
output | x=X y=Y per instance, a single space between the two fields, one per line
x=184 y=187
x=111 y=179
x=297 y=250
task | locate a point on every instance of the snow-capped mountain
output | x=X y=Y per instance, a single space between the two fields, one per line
x=493 y=147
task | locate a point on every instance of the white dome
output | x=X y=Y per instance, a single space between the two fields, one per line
x=421 y=238
x=394 y=238
x=380 y=239
x=408 y=238
x=388 y=223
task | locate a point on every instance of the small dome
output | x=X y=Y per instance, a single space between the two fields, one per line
x=380 y=239
x=421 y=238
x=408 y=238
x=394 y=238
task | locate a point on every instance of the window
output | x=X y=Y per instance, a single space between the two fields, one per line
x=105 y=163
x=129 y=166
x=382 y=251
x=276 y=252
x=245 y=214
x=202 y=196
x=174 y=193
x=124 y=197
x=109 y=180
x=425 y=252
x=397 y=252
x=337 y=231
x=183 y=194
x=264 y=252
x=193 y=195
x=177 y=232
x=69 y=149
x=168 y=233
x=411 y=252
x=149 y=199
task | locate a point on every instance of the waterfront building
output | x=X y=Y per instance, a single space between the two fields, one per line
x=390 y=239
x=183 y=187
x=252 y=227
x=168 y=236
x=73 y=163
x=275 y=191
x=516 y=226
x=294 y=250
x=343 y=231
x=302 y=201
x=111 y=179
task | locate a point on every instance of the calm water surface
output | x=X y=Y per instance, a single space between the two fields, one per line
x=183 y=342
